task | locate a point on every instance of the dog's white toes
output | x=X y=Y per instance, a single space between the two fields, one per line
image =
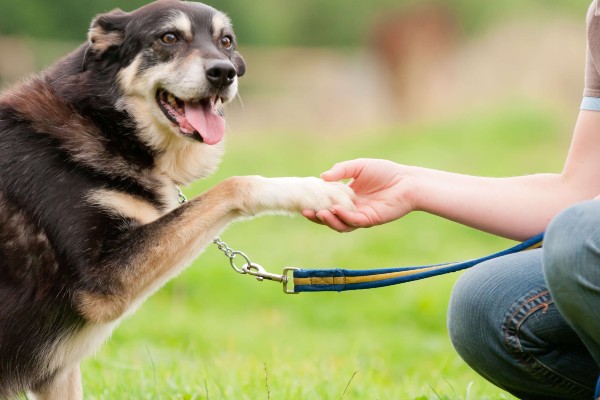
x=296 y=194
x=324 y=195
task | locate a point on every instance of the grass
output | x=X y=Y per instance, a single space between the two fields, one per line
x=213 y=334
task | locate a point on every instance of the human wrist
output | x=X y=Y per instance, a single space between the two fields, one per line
x=410 y=187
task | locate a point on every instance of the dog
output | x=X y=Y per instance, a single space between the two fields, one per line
x=91 y=155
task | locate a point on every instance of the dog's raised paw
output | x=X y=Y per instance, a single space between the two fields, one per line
x=293 y=195
x=320 y=195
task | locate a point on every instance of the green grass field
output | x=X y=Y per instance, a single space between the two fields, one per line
x=213 y=334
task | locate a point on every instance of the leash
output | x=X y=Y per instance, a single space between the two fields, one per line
x=339 y=280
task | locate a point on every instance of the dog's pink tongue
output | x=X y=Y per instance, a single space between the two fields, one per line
x=206 y=122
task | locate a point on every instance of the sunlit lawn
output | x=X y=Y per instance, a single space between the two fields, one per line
x=213 y=334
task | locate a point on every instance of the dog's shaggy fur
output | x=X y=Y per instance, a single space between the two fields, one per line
x=91 y=152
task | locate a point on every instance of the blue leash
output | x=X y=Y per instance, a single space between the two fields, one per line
x=337 y=280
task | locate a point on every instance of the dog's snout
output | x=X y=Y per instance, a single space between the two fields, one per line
x=220 y=73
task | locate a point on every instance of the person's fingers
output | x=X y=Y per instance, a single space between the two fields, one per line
x=311 y=215
x=338 y=219
x=331 y=220
x=351 y=218
x=343 y=170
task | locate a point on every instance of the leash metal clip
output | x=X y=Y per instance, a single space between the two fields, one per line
x=254 y=269
x=261 y=274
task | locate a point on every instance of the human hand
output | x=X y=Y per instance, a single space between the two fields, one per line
x=383 y=193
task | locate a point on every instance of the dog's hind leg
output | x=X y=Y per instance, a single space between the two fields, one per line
x=64 y=386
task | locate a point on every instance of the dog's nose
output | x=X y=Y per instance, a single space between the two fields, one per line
x=220 y=73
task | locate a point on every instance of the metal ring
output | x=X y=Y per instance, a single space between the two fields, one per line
x=232 y=261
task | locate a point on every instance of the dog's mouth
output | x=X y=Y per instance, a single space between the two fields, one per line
x=197 y=119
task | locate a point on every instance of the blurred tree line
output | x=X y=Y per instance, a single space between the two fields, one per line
x=270 y=22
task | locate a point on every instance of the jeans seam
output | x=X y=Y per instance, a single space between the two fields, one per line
x=512 y=340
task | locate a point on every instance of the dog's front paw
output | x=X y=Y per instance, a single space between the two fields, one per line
x=262 y=195
x=316 y=194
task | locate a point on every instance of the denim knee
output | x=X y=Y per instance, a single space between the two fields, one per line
x=464 y=314
x=568 y=246
x=480 y=302
x=571 y=261
x=483 y=296
x=571 y=250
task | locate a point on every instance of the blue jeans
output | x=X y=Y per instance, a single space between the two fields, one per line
x=530 y=322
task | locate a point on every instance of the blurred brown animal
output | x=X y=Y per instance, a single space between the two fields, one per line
x=412 y=44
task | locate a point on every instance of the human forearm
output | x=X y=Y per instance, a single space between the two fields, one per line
x=516 y=207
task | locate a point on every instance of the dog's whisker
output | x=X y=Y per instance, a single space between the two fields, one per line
x=238 y=96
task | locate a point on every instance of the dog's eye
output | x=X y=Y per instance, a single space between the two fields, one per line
x=227 y=42
x=169 y=38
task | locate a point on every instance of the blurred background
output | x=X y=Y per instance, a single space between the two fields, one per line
x=480 y=87
x=340 y=64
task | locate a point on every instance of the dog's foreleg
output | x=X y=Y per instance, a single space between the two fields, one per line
x=64 y=386
x=150 y=254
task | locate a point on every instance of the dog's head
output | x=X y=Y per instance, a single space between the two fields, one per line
x=178 y=66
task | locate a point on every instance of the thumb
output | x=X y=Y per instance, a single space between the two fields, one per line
x=343 y=170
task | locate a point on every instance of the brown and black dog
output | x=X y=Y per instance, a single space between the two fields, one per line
x=91 y=152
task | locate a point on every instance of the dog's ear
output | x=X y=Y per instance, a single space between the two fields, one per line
x=108 y=30
x=239 y=63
